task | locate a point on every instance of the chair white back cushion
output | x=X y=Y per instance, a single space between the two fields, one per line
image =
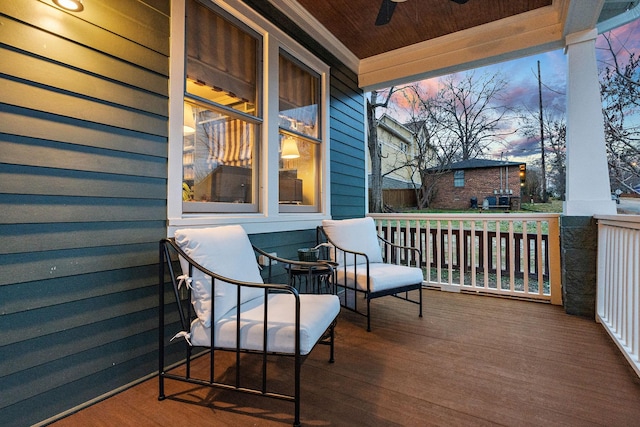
x=358 y=235
x=226 y=251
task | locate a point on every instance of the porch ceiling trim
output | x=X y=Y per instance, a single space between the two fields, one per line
x=537 y=31
x=533 y=32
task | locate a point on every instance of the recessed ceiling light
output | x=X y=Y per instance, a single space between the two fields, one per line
x=71 y=5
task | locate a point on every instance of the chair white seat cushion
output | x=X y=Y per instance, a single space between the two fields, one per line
x=316 y=314
x=383 y=276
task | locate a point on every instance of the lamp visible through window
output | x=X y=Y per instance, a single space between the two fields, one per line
x=290 y=148
x=189 y=122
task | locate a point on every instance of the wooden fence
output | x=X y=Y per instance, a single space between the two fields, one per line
x=399 y=199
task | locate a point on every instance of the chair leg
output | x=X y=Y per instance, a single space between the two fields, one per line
x=420 y=290
x=368 y=314
x=332 y=336
x=296 y=411
x=161 y=395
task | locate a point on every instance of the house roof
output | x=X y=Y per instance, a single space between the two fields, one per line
x=394 y=127
x=429 y=38
x=415 y=125
x=479 y=164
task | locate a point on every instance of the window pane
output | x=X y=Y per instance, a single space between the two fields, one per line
x=218 y=157
x=220 y=148
x=299 y=98
x=221 y=60
x=458 y=178
x=299 y=181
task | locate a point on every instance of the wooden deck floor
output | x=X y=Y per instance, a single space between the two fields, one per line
x=470 y=361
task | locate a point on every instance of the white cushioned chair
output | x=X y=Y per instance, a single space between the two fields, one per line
x=362 y=272
x=232 y=309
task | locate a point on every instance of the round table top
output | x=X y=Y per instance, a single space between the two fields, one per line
x=322 y=267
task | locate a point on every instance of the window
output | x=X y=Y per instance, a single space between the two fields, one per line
x=299 y=135
x=221 y=121
x=248 y=128
x=458 y=178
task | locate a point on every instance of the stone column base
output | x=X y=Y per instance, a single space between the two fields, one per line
x=579 y=249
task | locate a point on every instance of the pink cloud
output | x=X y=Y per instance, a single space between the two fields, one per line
x=522 y=89
x=624 y=40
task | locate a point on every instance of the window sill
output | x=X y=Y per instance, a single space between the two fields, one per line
x=252 y=223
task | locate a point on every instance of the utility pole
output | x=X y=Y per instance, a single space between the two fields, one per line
x=542 y=165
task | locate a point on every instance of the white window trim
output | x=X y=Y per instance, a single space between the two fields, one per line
x=269 y=219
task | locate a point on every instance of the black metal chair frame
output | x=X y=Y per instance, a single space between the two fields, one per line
x=169 y=252
x=387 y=247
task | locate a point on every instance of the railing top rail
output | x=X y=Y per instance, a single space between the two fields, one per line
x=469 y=216
x=630 y=221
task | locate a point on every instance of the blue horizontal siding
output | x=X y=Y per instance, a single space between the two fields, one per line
x=347 y=146
x=83 y=172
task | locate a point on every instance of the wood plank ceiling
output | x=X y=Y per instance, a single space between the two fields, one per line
x=413 y=21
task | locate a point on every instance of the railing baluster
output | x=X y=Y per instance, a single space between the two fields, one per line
x=461 y=251
x=486 y=259
x=438 y=253
x=511 y=247
x=634 y=298
x=498 y=256
x=449 y=252
x=474 y=253
x=539 y=267
x=526 y=250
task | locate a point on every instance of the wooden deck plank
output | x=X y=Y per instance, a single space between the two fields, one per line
x=470 y=361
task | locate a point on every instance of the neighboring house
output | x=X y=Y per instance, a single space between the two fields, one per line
x=397 y=146
x=495 y=180
x=118 y=123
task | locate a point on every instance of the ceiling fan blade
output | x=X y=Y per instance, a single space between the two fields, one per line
x=460 y=1
x=386 y=11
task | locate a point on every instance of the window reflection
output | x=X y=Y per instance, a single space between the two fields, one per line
x=221 y=121
x=218 y=157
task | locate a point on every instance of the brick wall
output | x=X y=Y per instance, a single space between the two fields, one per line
x=478 y=183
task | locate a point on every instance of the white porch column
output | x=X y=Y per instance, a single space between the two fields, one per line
x=588 y=191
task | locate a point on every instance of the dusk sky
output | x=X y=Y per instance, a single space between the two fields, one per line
x=522 y=90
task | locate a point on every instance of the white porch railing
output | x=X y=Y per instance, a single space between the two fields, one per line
x=515 y=255
x=618 y=297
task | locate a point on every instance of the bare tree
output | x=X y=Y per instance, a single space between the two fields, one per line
x=457 y=123
x=375 y=151
x=533 y=185
x=555 y=132
x=556 y=147
x=472 y=111
x=433 y=147
x=620 y=91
